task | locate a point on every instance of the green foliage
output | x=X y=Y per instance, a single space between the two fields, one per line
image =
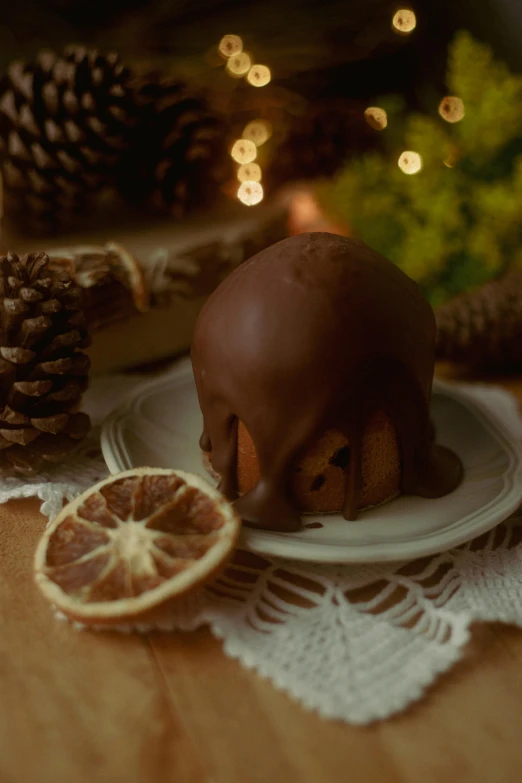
x=451 y=227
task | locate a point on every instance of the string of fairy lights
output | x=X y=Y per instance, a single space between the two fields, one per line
x=451 y=108
x=240 y=64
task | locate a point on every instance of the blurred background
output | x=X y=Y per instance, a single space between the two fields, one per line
x=340 y=47
x=397 y=123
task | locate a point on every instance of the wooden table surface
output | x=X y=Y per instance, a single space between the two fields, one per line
x=79 y=706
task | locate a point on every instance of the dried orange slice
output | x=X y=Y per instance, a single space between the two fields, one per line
x=133 y=542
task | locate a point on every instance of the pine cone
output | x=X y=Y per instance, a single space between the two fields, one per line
x=317 y=143
x=42 y=372
x=483 y=328
x=180 y=160
x=64 y=122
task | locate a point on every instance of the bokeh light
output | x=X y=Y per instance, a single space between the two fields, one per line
x=452 y=158
x=404 y=21
x=244 y=151
x=239 y=65
x=258 y=131
x=376 y=118
x=259 y=75
x=410 y=162
x=249 y=172
x=452 y=109
x=230 y=45
x=250 y=193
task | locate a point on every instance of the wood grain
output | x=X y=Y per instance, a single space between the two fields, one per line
x=78 y=706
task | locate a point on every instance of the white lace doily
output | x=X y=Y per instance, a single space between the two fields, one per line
x=358 y=643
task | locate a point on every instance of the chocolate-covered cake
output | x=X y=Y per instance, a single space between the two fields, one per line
x=314 y=364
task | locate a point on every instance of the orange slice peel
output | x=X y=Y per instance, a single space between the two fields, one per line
x=133 y=543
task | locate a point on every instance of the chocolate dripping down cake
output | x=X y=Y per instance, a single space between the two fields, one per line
x=314 y=364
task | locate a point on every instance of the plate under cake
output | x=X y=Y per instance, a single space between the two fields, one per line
x=159 y=424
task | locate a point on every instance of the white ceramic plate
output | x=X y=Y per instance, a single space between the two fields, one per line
x=160 y=423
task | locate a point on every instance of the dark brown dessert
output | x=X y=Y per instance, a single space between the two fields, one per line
x=313 y=339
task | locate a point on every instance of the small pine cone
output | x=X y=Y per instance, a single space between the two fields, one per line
x=483 y=328
x=64 y=122
x=43 y=372
x=180 y=160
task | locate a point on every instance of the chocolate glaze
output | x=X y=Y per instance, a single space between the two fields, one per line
x=314 y=332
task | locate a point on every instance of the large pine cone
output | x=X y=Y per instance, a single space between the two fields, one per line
x=42 y=371
x=318 y=142
x=483 y=328
x=180 y=160
x=64 y=122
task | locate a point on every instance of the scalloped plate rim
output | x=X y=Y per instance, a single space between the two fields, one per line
x=294 y=546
